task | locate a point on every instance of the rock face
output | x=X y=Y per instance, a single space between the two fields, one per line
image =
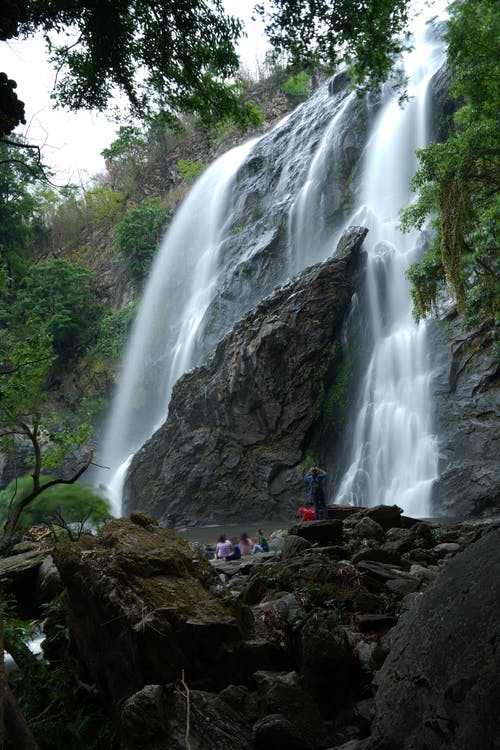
x=467 y=403
x=440 y=685
x=279 y=651
x=140 y=591
x=237 y=426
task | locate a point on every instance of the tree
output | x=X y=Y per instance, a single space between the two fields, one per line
x=137 y=235
x=25 y=363
x=458 y=181
x=74 y=508
x=161 y=54
x=17 y=206
x=58 y=294
x=365 y=35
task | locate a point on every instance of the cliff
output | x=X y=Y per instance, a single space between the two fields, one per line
x=238 y=426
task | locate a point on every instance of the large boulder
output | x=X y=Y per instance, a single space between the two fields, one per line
x=144 y=608
x=440 y=685
x=234 y=437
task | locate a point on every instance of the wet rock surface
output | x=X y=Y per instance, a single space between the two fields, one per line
x=234 y=436
x=467 y=405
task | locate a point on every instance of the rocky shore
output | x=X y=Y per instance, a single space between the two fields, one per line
x=375 y=632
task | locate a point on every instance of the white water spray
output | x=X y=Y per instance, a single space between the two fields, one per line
x=164 y=338
x=394 y=455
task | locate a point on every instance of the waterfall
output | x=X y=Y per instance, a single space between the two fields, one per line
x=287 y=190
x=394 y=457
x=164 y=337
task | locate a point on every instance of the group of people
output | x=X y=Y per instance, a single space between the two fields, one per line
x=233 y=550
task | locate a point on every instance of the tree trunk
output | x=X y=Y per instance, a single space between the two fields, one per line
x=19 y=731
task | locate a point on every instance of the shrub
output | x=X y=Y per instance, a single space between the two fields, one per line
x=72 y=507
x=137 y=235
x=298 y=86
x=58 y=294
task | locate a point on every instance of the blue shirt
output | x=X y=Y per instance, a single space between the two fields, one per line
x=309 y=480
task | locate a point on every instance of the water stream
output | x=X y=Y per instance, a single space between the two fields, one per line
x=393 y=455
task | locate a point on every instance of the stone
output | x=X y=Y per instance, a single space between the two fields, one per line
x=147 y=593
x=368 y=623
x=440 y=685
x=403 y=586
x=320 y=532
x=383 y=571
x=367 y=528
x=49 y=581
x=398 y=541
x=293 y=703
x=156 y=718
x=277 y=732
x=466 y=397
x=294 y=545
x=388 y=516
x=235 y=431
x=447 y=548
x=378 y=554
x=326 y=664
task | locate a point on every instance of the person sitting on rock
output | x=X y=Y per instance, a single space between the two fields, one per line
x=247 y=546
x=262 y=541
x=236 y=553
x=223 y=548
x=314 y=480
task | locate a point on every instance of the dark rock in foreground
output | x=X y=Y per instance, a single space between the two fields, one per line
x=237 y=425
x=440 y=685
x=280 y=650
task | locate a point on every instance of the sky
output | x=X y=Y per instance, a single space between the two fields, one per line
x=72 y=142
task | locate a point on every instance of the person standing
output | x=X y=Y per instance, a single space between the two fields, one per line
x=314 y=480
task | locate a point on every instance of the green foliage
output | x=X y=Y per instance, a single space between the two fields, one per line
x=58 y=294
x=169 y=54
x=17 y=208
x=113 y=330
x=25 y=415
x=74 y=508
x=427 y=278
x=137 y=235
x=26 y=357
x=298 y=87
x=189 y=170
x=127 y=145
x=326 y=32
x=103 y=205
x=458 y=180
x=61 y=712
x=14 y=627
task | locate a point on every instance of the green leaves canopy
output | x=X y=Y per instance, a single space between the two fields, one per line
x=363 y=33
x=459 y=180
x=162 y=54
x=59 y=294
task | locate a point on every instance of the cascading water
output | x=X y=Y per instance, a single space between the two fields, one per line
x=221 y=228
x=162 y=345
x=394 y=453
